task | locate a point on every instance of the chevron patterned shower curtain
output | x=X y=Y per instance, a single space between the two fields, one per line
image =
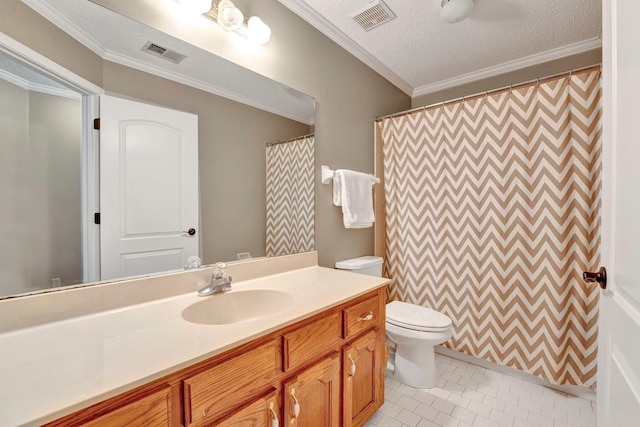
x=290 y=197
x=492 y=209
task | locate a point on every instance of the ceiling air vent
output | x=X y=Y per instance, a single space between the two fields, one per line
x=163 y=52
x=373 y=15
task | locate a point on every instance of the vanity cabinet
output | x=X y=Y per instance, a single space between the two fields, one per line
x=324 y=371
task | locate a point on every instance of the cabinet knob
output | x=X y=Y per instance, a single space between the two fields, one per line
x=352 y=365
x=296 y=404
x=365 y=318
x=274 y=416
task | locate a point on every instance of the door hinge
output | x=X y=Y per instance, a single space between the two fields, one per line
x=96 y=218
x=96 y=124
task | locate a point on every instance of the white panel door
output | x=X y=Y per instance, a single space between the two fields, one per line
x=619 y=343
x=148 y=188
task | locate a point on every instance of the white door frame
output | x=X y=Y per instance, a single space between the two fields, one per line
x=90 y=173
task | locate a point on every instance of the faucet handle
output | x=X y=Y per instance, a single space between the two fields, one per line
x=219 y=270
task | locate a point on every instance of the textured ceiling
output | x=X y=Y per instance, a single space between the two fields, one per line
x=417 y=51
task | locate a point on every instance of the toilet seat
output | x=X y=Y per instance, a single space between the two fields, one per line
x=417 y=318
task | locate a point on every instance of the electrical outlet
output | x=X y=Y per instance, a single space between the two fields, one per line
x=55 y=282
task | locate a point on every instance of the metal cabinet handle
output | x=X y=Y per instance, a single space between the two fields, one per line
x=274 y=416
x=365 y=318
x=296 y=404
x=352 y=365
x=190 y=232
x=600 y=277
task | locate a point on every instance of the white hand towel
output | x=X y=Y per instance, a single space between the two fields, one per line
x=352 y=191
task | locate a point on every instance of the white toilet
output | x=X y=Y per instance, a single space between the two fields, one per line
x=412 y=329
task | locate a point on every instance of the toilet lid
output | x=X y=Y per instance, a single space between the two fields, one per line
x=416 y=317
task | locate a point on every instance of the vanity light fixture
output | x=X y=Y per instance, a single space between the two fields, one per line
x=453 y=11
x=230 y=18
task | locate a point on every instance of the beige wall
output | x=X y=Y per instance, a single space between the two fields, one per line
x=14 y=128
x=39 y=190
x=54 y=199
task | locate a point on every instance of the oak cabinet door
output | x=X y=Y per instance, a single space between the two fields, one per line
x=363 y=375
x=312 y=398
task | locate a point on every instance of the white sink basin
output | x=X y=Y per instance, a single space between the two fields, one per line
x=236 y=306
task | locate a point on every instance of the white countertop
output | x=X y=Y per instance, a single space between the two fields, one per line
x=54 y=369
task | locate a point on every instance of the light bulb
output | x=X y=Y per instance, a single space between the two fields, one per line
x=453 y=11
x=196 y=6
x=230 y=18
x=257 y=31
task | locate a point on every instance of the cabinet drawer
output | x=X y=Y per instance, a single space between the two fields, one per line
x=361 y=316
x=211 y=393
x=312 y=340
x=151 y=410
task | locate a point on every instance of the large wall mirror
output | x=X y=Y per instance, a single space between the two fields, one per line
x=247 y=125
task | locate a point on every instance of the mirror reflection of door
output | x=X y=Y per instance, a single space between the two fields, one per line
x=148 y=188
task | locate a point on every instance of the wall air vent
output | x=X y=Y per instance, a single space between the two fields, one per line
x=373 y=15
x=163 y=52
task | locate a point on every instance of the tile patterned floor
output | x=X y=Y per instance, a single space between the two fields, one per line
x=469 y=395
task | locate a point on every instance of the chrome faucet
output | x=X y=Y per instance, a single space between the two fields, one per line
x=219 y=282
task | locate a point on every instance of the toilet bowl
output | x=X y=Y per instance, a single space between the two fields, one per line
x=411 y=329
x=414 y=331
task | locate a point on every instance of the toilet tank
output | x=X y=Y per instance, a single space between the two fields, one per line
x=369 y=265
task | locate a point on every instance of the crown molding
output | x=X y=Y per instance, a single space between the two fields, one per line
x=326 y=27
x=331 y=31
x=506 y=67
x=13 y=79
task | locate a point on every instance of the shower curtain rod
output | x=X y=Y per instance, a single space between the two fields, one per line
x=486 y=92
x=269 y=144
